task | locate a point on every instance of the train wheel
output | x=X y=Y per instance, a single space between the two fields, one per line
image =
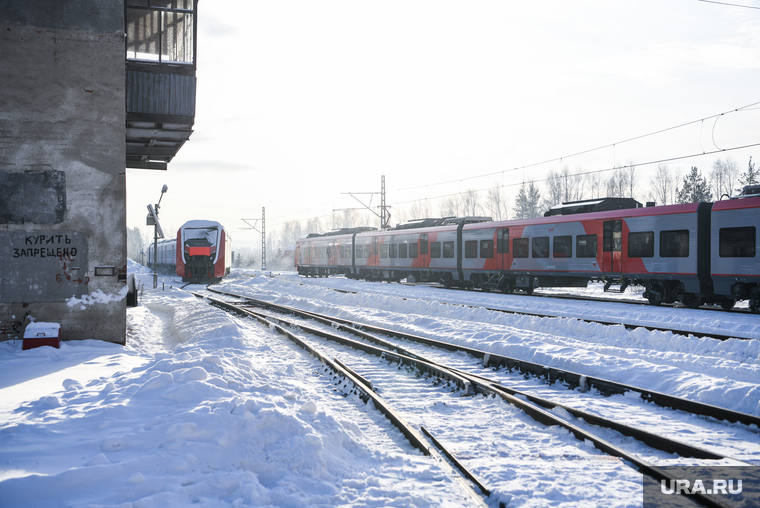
x=654 y=300
x=754 y=306
x=691 y=300
x=727 y=304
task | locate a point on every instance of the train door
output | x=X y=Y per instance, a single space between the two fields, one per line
x=424 y=256
x=374 y=256
x=612 y=247
x=502 y=249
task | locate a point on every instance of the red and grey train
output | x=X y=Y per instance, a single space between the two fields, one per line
x=201 y=252
x=692 y=253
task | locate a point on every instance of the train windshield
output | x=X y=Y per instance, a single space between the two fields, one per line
x=201 y=237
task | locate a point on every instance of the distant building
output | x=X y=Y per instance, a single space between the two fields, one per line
x=88 y=88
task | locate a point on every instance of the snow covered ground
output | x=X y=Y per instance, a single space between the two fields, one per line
x=201 y=408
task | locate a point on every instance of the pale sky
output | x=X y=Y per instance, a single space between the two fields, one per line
x=300 y=102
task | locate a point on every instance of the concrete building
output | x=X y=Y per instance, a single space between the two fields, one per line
x=80 y=101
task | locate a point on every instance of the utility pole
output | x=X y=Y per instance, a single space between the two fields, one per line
x=384 y=215
x=263 y=232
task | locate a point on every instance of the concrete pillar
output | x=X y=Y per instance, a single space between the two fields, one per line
x=62 y=167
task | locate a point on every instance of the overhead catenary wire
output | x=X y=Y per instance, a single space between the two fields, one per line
x=658 y=161
x=730 y=4
x=613 y=145
x=589 y=150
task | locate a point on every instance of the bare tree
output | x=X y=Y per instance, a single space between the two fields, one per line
x=595 y=184
x=497 y=203
x=420 y=210
x=470 y=203
x=724 y=177
x=554 y=187
x=564 y=187
x=349 y=218
x=577 y=189
x=449 y=207
x=661 y=185
x=314 y=225
x=617 y=185
x=632 y=179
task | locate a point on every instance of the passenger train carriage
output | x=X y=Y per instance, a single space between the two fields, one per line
x=693 y=253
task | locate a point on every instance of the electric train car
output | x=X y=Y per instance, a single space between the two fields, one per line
x=165 y=261
x=203 y=251
x=692 y=253
x=734 y=263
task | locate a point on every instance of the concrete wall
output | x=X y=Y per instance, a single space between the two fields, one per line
x=62 y=166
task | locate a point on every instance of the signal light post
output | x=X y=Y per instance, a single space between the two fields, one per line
x=152 y=220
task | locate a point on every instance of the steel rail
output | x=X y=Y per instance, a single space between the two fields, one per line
x=366 y=390
x=652 y=440
x=538 y=414
x=551 y=374
x=627 y=326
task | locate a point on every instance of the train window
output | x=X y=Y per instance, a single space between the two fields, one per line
x=585 y=246
x=641 y=245
x=448 y=249
x=674 y=244
x=562 y=247
x=435 y=249
x=737 y=242
x=520 y=247
x=486 y=248
x=359 y=252
x=394 y=250
x=540 y=247
x=347 y=251
x=402 y=249
x=470 y=249
x=383 y=251
x=413 y=250
x=502 y=241
x=423 y=244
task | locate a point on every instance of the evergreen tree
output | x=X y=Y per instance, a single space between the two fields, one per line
x=695 y=188
x=527 y=202
x=751 y=177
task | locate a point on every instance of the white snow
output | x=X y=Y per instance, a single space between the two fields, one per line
x=201 y=408
x=43 y=330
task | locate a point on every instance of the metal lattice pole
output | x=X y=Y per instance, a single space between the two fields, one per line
x=383 y=213
x=263 y=239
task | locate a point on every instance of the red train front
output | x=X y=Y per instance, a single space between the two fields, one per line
x=203 y=251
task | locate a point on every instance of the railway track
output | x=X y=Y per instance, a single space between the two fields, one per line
x=627 y=325
x=578 y=422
